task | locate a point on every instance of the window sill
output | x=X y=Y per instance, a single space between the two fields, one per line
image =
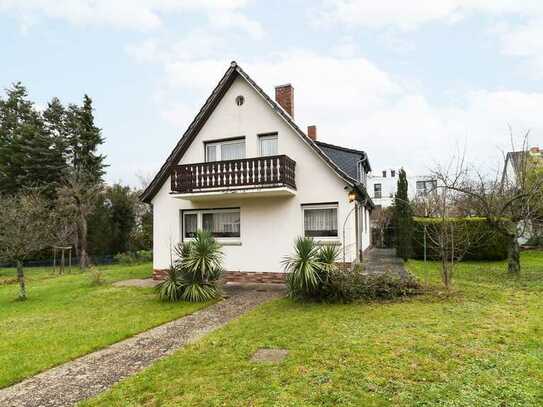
x=328 y=242
x=229 y=242
x=221 y=241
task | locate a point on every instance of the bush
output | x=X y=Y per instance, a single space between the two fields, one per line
x=351 y=285
x=141 y=256
x=195 y=274
x=313 y=275
x=487 y=244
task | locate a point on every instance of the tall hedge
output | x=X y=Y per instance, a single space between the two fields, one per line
x=489 y=244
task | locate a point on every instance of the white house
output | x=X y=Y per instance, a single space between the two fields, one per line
x=517 y=164
x=245 y=171
x=382 y=186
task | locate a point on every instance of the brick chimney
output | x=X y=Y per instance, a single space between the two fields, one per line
x=284 y=95
x=312 y=132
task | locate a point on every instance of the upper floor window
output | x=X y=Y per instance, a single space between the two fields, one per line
x=225 y=150
x=384 y=174
x=392 y=173
x=268 y=144
x=377 y=188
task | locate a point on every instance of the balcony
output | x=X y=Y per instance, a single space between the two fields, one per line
x=259 y=176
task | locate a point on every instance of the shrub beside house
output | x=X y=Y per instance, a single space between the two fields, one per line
x=484 y=243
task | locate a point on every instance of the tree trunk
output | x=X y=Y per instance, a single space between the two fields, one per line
x=21 y=279
x=513 y=259
x=84 y=257
x=62 y=262
x=76 y=241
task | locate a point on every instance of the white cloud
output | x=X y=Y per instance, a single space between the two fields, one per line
x=197 y=44
x=518 y=24
x=406 y=15
x=131 y=14
x=354 y=103
x=524 y=42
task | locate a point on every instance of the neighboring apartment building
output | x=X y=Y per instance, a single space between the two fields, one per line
x=245 y=172
x=382 y=186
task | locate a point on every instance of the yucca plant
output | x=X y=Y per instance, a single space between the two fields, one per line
x=194 y=275
x=303 y=268
x=195 y=291
x=328 y=256
x=309 y=269
x=169 y=289
x=203 y=259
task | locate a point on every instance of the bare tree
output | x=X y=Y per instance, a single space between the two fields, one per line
x=509 y=204
x=78 y=197
x=447 y=238
x=26 y=227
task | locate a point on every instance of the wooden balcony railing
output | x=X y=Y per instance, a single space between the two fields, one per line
x=258 y=172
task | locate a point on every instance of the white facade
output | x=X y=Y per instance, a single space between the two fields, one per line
x=269 y=220
x=386 y=182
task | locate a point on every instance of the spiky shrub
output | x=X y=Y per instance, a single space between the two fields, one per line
x=328 y=256
x=203 y=258
x=309 y=268
x=169 y=289
x=195 y=274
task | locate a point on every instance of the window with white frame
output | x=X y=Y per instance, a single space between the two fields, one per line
x=268 y=144
x=225 y=150
x=320 y=220
x=377 y=190
x=221 y=223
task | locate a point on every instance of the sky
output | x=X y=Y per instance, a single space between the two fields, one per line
x=413 y=83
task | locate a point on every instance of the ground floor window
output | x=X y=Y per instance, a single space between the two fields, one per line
x=320 y=220
x=222 y=223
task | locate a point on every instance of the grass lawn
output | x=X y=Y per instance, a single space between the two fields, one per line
x=66 y=317
x=481 y=346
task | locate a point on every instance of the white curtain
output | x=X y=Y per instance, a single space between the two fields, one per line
x=320 y=222
x=211 y=153
x=233 y=151
x=191 y=224
x=268 y=146
x=222 y=224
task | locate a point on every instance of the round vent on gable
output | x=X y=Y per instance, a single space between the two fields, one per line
x=240 y=100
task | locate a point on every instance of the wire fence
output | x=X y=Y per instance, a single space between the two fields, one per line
x=96 y=260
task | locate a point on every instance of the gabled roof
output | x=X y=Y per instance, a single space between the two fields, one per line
x=516 y=158
x=520 y=160
x=233 y=72
x=346 y=158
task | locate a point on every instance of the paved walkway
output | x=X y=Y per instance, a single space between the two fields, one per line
x=379 y=261
x=90 y=375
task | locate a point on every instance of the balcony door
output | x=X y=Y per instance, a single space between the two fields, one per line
x=225 y=150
